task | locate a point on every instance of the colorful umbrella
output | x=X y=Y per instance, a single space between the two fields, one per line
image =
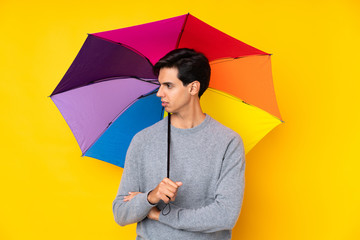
x=108 y=93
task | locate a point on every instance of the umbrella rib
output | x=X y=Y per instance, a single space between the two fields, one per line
x=151 y=81
x=109 y=124
x=127 y=46
x=240 y=100
x=148 y=94
x=226 y=59
x=181 y=32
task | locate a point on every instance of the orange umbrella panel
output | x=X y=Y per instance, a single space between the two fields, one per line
x=247 y=78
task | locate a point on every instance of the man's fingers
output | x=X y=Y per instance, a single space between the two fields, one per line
x=130 y=196
x=170 y=188
x=170 y=182
x=165 y=199
x=178 y=183
x=170 y=185
x=169 y=194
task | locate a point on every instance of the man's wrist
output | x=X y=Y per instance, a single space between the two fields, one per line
x=154 y=214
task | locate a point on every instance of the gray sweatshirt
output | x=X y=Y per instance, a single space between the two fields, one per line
x=208 y=159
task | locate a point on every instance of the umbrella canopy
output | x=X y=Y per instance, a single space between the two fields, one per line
x=108 y=93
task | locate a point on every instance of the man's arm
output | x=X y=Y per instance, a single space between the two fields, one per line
x=222 y=214
x=127 y=212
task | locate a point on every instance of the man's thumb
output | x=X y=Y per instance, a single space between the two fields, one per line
x=179 y=183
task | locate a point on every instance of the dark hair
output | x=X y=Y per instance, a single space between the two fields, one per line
x=192 y=66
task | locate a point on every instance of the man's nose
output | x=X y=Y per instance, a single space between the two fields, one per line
x=159 y=92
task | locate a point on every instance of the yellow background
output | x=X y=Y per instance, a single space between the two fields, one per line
x=302 y=180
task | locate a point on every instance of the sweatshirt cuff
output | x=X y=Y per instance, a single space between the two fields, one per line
x=146 y=199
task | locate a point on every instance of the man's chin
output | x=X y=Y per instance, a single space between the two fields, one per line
x=168 y=110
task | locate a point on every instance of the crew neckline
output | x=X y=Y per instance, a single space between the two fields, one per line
x=191 y=130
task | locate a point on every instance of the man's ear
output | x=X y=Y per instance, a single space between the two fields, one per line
x=195 y=87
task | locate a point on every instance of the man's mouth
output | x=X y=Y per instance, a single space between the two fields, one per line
x=164 y=104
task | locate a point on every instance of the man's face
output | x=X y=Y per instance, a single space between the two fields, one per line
x=175 y=97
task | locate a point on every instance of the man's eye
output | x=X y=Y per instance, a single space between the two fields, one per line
x=168 y=85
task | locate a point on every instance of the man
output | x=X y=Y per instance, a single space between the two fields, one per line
x=203 y=196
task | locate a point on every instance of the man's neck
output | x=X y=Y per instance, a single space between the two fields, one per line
x=189 y=118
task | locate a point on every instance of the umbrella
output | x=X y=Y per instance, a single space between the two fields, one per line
x=108 y=93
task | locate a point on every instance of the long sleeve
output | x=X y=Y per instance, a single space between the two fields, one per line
x=223 y=212
x=137 y=209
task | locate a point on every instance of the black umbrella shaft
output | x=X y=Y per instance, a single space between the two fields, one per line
x=168 y=145
x=164 y=211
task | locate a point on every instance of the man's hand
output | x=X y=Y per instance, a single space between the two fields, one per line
x=166 y=191
x=130 y=196
x=154 y=214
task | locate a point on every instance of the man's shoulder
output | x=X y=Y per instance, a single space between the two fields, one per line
x=220 y=129
x=227 y=136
